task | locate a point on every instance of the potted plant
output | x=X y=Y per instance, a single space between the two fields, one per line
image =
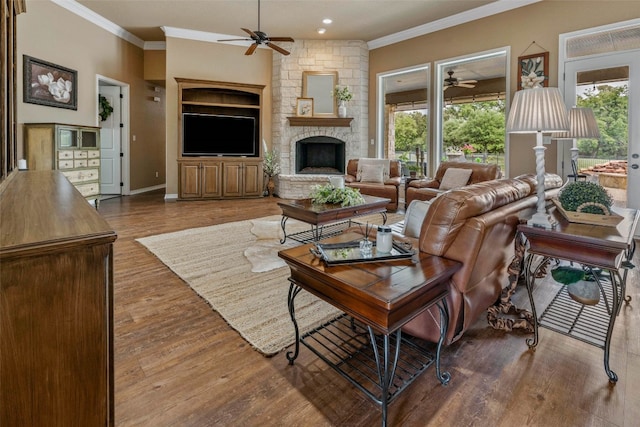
x=414 y=168
x=343 y=95
x=271 y=168
x=586 y=202
x=345 y=196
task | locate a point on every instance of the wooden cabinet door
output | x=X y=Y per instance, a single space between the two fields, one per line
x=252 y=179
x=211 y=186
x=190 y=180
x=233 y=179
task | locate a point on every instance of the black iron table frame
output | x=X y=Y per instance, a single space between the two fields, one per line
x=616 y=281
x=317 y=231
x=385 y=362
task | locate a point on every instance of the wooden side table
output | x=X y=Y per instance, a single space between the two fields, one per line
x=378 y=299
x=595 y=247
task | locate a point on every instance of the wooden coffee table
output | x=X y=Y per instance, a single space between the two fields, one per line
x=365 y=345
x=319 y=215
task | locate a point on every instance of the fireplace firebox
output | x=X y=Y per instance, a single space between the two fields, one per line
x=320 y=155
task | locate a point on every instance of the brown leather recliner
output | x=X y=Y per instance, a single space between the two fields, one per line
x=428 y=188
x=389 y=189
x=475 y=225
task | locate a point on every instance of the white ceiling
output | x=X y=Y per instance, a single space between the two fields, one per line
x=367 y=20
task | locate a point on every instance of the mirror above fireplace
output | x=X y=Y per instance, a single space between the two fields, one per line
x=319 y=85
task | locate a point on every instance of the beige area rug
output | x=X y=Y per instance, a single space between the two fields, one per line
x=212 y=261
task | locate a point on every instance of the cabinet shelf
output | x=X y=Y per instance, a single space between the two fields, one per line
x=320 y=121
x=220 y=177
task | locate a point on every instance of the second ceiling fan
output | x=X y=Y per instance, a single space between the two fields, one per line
x=453 y=81
x=258 y=37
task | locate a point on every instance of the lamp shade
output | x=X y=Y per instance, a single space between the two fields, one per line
x=582 y=124
x=538 y=110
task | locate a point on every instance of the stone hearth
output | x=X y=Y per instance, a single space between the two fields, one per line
x=351 y=59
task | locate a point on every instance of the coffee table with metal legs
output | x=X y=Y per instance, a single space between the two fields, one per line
x=327 y=219
x=365 y=344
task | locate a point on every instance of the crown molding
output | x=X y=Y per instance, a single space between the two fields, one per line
x=155 y=45
x=203 y=36
x=91 y=16
x=451 y=21
x=441 y=24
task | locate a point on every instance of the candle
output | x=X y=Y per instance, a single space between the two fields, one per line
x=22 y=164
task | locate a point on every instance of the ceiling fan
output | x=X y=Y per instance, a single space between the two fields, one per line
x=452 y=81
x=258 y=37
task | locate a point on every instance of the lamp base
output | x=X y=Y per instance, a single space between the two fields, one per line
x=542 y=220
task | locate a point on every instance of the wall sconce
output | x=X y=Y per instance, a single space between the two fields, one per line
x=538 y=110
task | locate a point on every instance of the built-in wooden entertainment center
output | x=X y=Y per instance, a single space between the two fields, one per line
x=219 y=165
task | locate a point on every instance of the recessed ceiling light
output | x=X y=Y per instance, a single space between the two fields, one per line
x=327 y=21
x=321 y=30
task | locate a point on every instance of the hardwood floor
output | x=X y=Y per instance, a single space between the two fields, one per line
x=178 y=363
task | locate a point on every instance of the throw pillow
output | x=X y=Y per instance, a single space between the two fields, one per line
x=454 y=178
x=371 y=173
x=414 y=217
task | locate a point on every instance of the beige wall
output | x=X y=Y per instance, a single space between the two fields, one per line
x=210 y=61
x=540 y=22
x=53 y=34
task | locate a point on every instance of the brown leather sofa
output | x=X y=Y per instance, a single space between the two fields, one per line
x=428 y=188
x=389 y=188
x=475 y=225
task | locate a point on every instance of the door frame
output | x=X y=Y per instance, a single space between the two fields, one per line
x=124 y=132
x=609 y=59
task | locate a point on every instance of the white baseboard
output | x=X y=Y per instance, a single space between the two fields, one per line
x=147 y=189
x=170 y=197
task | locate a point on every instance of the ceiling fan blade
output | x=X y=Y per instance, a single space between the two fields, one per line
x=277 y=48
x=467 y=82
x=251 y=33
x=281 y=39
x=465 y=85
x=446 y=87
x=251 y=49
x=235 y=40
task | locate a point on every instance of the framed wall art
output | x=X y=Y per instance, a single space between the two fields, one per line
x=304 y=107
x=49 y=84
x=533 y=70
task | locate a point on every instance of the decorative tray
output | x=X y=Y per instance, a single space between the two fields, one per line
x=349 y=253
x=610 y=220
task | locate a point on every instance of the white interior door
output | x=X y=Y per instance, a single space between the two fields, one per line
x=110 y=144
x=629 y=59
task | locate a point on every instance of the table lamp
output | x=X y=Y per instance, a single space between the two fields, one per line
x=538 y=110
x=582 y=124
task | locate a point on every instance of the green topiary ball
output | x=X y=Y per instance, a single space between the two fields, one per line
x=576 y=193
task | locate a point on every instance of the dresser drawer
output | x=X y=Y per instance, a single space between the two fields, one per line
x=93 y=162
x=82 y=175
x=65 y=154
x=89 y=189
x=65 y=164
x=80 y=154
x=94 y=154
x=82 y=163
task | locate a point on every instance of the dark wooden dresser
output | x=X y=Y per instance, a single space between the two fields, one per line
x=56 y=305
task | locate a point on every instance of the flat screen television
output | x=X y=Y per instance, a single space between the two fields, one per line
x=219 y=135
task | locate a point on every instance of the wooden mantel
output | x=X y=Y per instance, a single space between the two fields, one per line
x=320 y=121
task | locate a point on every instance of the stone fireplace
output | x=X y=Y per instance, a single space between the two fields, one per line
x=350 y=58
x=320 y=155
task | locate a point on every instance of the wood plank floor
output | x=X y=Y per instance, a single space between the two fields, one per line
x=177 y=363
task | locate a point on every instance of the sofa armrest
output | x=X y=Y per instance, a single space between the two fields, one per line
x=396 y=180
x=425 y=183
